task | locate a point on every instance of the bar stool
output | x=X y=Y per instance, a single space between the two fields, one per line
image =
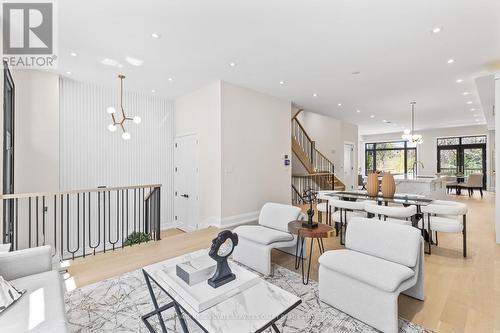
x=399 y=215
x=344 y=211
x=444 y=216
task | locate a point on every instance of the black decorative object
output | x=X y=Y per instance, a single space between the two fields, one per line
x=309 y=197
x=222 y=247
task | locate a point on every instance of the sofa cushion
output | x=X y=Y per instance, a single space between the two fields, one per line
x=262 y=235
x=8 y=294
x=389 y=241
x=376 y=272
x=41 y=309
x=277 y=216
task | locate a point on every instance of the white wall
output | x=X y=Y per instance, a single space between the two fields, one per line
x=36 y=136
x=200 y=113
x=255 y=137
x=497 y=156
x=330 y=135
x=427 y=151
x=91 y=156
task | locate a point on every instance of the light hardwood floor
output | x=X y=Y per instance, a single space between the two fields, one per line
x=462 y=295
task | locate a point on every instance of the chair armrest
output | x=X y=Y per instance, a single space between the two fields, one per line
x=17 y=264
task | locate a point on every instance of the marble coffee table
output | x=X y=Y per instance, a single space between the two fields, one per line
x=251 y=310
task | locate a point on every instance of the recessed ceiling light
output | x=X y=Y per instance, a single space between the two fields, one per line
x=134 y=61
x=358 y=111
x=109 y=62
x=119 y=66
x=436 y=30
x=153 y=91
x=459 y=81
x=155 y=35
x=73 y=54
x=372 y=116
x=282 y=82
x=472 y=109
x=315 y=95
x=469 y=102
x=232 y=64
x=465 y=93
x=475 y=115
x=450 y=61
x=356 y=73
x=68 y=72
x=170 y=79
x=340 y=104
x=384 y=121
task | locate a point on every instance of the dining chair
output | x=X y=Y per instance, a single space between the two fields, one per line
x=474 y=182
x=343 y=212
x=445 y=216
x=323 y=206
x=399 y=215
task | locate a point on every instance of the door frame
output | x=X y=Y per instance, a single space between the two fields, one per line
x=460 y=154
x=8 y=188
x=197 y=181
x=353 y=164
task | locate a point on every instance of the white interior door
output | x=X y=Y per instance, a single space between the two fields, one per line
x=186 y=182
x=349 y=174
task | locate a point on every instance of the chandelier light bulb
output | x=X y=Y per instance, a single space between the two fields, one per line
x=126 y=136
x=112 y=128
x=110 y=110
x=137 y=119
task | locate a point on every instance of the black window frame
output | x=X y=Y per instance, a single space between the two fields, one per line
x=375 y=149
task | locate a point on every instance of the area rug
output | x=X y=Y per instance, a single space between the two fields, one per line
x=116 y=305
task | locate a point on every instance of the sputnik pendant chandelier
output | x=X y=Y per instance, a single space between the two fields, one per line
x=112 y=111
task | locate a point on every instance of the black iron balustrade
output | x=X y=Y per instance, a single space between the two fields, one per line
x=82 y=222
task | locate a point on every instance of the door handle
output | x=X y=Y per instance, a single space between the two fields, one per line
x=185 y=195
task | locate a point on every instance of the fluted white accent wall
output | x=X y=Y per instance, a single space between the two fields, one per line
x=92 y=156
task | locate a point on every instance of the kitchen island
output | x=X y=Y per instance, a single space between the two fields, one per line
x=431 y=187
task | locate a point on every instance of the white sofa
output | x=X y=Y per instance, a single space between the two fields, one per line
x=41 y=308
x=380 y=261
x=255 y=242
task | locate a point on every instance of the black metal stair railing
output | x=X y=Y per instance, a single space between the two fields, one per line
x=82 y=222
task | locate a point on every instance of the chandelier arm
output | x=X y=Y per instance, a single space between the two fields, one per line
x=123 y=127
x=113 y=117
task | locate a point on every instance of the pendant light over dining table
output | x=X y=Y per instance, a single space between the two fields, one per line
x=409 y=134
x=112 y=111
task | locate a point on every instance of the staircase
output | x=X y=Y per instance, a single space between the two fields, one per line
x=320 y=170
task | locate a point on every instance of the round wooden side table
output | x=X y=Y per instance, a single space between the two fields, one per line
x=316 y=233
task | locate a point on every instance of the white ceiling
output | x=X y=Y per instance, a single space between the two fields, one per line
x=314 y=46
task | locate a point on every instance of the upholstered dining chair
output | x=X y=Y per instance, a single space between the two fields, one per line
x=323 y=206
x=474 y=182
x=343 y=211
x=445 y=216
x=399 y=215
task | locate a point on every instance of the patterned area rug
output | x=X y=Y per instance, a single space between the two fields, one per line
x=116 y=305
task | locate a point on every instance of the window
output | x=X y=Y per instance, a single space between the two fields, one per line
x=396 y=157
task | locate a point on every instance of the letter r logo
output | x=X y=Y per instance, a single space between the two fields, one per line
x=27 y=28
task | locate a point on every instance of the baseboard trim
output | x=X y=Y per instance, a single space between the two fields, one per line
x=168 y=225
x=233 y=221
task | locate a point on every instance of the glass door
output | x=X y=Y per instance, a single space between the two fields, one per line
x=474 y=161
x=462 y=156
x=448 y=160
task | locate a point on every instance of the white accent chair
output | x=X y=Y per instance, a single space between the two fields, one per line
x=344 y=211
x=255 y=242
x=400 y=215
x=380 y=261
x=445 y=216
x=31 y=269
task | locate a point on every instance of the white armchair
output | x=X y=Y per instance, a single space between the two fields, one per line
x=255 y=242
x=41 y=309
x=380 y=261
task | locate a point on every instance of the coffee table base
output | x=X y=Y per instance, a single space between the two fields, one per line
x=180 y=310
